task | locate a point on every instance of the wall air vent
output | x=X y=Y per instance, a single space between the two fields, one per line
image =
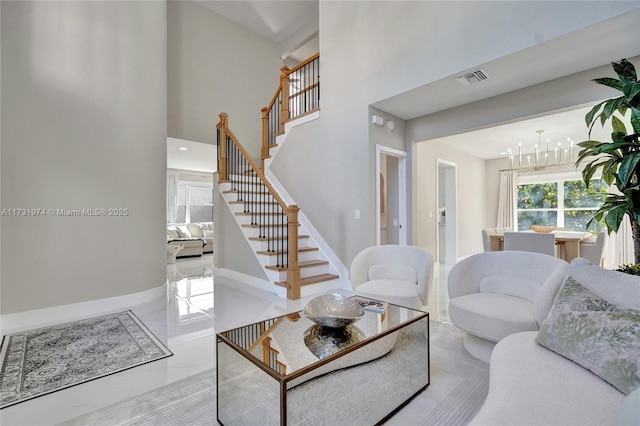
x=473 y=77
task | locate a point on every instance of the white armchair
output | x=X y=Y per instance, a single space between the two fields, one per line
x=495 y=294
x=394 y=274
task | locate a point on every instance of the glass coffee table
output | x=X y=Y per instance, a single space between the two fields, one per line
x=289 y=370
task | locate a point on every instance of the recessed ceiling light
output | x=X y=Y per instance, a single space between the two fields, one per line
x=182 y=148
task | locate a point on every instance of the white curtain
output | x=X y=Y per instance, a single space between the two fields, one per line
x=507 y=199
x=172 y=196
x=619 y=248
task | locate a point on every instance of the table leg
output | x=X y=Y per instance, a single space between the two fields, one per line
x=571 y=250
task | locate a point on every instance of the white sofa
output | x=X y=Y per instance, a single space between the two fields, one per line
x=195 y=238
x=533 y=385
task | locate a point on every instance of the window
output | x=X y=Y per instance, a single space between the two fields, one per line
x=565 y=203
x=195 y=203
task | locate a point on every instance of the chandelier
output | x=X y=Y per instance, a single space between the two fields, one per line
x=543 y=156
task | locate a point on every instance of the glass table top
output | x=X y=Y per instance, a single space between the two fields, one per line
x=290 y=343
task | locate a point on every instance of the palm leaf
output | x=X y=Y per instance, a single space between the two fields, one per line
x=635 y=120
x=631 y=90
x=627 y=169
x=590 y=117
x=625 y=70
x=611 y=106
x=614 y=217
x=618 y=125
x=610 y=82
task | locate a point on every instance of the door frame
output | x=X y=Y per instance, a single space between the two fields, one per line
x=402 y=190
x=448 y=222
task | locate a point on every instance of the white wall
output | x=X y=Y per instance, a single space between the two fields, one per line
x=84 y=127
x=373 y=50
x=216 y=65
x=470 y=196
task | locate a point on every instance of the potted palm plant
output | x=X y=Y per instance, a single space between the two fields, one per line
x=619 y=159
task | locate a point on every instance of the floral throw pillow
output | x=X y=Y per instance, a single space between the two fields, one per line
x=600 y=336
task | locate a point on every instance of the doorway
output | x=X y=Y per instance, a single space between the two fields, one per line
x=447 y=219
x=391 y=196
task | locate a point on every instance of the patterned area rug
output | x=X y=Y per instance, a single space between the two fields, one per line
x=46 y=360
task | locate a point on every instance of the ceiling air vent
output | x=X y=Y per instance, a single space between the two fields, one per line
x=473 y=77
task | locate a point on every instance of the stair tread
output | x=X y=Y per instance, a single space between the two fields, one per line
x=274 y=253
x=236 y=191
x=284 y=225
x=258 y=213
x=275 y=238
x=252 y=202
x=304 y=264
x=242 y=182
x=311 y=280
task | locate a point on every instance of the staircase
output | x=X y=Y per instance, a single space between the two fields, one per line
x=290 y=255
x=291 y=259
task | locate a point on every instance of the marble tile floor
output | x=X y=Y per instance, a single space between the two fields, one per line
x=186 y=323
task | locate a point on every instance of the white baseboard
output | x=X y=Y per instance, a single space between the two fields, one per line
x=58 y=314
x=245 y=279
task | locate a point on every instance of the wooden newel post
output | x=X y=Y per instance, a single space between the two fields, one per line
x=293 y=270
x=264 y=153
x=284 y=87
x=222 y=145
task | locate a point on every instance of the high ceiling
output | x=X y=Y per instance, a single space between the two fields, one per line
x=585 y=49
x=494 y=142
x=274 y=19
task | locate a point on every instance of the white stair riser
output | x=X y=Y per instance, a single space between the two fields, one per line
x=240 y=208
x=263 y=245
x=272 y=222
x=272 y=260
x=256 y=231
x=314 y=270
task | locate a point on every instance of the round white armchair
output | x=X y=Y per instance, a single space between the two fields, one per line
x=393 y=273
x=495 y=294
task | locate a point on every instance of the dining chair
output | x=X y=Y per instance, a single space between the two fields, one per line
x=530 y=241
x=592 y=249
x=486 y=239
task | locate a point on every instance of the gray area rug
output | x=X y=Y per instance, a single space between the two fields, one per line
x=45 y=360
x=459 y=385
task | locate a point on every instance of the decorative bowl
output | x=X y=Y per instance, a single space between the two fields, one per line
x=324 y=341
x=333 y=310
x=543 y=229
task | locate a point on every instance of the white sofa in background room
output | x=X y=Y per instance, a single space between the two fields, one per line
x=196 y=238
x=547 y=378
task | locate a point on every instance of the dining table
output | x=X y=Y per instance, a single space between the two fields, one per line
x=570 y=240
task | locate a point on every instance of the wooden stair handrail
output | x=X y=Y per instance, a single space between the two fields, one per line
x=224 y=118
x=293 y=268
x=304 y=63
x=282 y=92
